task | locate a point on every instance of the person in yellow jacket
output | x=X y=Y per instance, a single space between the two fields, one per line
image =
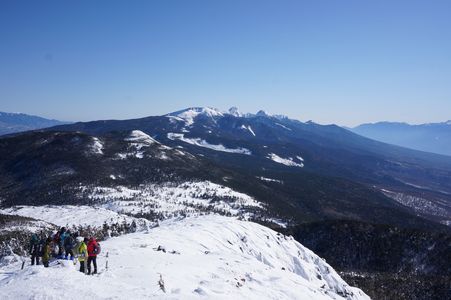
x=46 y=252
x=82 y=254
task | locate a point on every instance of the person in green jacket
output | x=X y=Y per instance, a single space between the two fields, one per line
x=34 y=249
x=46 y=252
x=82 y=254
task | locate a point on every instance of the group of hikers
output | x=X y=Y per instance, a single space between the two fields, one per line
x=65 y=245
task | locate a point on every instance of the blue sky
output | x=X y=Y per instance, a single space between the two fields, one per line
x=344 y=62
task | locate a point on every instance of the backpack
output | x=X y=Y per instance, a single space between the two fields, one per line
x=69 y=242
x=56 y=238
x=97 y=248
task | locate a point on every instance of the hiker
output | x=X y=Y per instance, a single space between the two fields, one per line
x=55 y=242
x=34 y=249
x=62 y=236
x=46 y=252
x=93 y=250
x=42 y=241
x=82 y=251
x=69 y=245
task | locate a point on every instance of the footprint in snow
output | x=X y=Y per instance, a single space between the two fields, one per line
x=200 y=291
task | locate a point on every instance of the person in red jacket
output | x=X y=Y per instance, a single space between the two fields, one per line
x=93 y=250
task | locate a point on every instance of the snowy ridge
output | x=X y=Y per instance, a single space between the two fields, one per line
x=31 y=226
x=205 y=258
x=234 y=111
x=138 y=142
x=202 y=143
x=171 y=199
x=188 y=115
x=140 y=139
x=120 y=204
x=286 y=161
x=70 y=215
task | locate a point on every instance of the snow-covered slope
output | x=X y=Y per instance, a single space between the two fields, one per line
x=202 y=143
x=210 y=257
x=173 y=199
x=70 y=215
x=156 y=201
x=140 y=139
x=188 y=115
x=286 y=161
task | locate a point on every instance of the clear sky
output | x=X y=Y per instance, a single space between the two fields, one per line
x=343 y=62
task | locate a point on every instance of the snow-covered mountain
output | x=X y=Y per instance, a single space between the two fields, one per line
x=18 y=122
x=208 y=257
x=430 y=137
x=270 y=169
x=272 y=146
x=189 y=114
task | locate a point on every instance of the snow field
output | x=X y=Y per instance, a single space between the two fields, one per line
x=188 y=115
x=210 y=257
x=138 y=142
x=172 y=199
x=202 y=143
x=286 y=161
x=70 y=215
x=97 y=146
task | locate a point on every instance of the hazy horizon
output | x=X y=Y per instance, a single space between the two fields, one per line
x=345 y=63
x=224 y=110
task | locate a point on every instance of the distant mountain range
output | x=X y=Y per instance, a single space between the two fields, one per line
x=316 y=182
x=18 y=122
x=431 y=137
x=303 y=171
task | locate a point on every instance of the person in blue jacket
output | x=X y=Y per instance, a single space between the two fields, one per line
x=69 y=245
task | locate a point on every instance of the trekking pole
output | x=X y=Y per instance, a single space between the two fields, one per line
x=106 y=262
x=23 y=265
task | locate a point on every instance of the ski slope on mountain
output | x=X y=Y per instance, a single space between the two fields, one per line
x=209 y=257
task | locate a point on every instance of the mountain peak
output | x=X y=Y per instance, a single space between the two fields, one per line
x=137 y=136
x=262 y=113
x=197 y=111
x=235 y=112
x=18 y=122
x=189 y=114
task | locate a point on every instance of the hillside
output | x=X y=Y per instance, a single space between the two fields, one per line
x=329 y=160
x=431 y=137
x=150 y=179
x=270 y=169
x=18 y=122
x=205 y=257
x=379 y=258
